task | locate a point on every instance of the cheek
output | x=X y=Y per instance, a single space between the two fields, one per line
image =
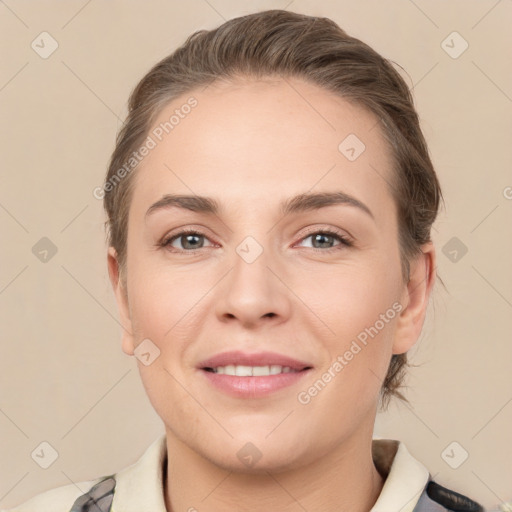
x=162 y=300
x=351 y=298
x=358 y=308
x=167 y=309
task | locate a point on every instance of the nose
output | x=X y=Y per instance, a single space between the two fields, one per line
x=253 y=292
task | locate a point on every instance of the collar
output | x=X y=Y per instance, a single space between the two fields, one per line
x=406 y=477
x=140 y=486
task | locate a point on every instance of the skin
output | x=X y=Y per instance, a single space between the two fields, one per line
x=240 y=145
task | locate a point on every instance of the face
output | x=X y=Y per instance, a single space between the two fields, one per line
x=315 y=280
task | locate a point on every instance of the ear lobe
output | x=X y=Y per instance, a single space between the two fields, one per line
x=415 y=299
x=127 y=342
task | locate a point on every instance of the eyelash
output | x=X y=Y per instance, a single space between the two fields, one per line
x=344 y=241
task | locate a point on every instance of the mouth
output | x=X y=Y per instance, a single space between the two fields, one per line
x=253 y=371
x=256 y=375
x=245 y=364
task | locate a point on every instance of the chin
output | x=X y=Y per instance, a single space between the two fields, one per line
x=257 y=455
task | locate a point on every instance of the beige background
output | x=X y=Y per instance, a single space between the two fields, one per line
x=63 y=376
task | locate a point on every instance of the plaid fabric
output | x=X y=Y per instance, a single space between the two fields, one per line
x=98 y=498
x=434 y=498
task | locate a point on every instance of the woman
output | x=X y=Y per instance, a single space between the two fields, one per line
x=269 y=202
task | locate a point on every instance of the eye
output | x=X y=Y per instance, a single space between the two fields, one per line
x=190 y=240
x=323 y=239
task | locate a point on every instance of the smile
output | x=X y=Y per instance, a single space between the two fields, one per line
x=251 y=382
x=252 y=371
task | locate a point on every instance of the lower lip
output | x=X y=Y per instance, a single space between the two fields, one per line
x=253 y=387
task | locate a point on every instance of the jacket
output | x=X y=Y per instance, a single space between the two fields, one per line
x=408 y=487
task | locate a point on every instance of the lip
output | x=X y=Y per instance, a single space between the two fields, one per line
x=237 y=357
x=253 y=387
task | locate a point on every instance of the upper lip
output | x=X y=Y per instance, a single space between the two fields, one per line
x=236 y=357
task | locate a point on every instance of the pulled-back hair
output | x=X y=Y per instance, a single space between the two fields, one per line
x=278 y=43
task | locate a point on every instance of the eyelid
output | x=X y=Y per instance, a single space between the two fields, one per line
x=326 y=229
x=345 y=239
x=174 y=235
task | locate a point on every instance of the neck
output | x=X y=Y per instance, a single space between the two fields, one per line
x=344 y=479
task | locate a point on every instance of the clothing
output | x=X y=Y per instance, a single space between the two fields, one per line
x=408 y=487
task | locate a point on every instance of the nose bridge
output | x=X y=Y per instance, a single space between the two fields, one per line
x=254 y=239
x=252 y=291
x=250 y=273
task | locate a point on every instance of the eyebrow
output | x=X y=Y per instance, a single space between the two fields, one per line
x=300 y=203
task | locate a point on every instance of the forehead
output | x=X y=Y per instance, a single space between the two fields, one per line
x=258 y=139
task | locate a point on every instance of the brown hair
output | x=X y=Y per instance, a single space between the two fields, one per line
x=278 y=43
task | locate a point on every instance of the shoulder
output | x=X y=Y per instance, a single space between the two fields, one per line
x=62 y=499
x=409 y=481
x=135 y=487
x=436 y=498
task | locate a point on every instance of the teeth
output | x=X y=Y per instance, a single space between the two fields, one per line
x=252 y=371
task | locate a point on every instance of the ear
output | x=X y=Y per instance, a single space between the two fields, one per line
x=122 y=302
x=415 y=298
